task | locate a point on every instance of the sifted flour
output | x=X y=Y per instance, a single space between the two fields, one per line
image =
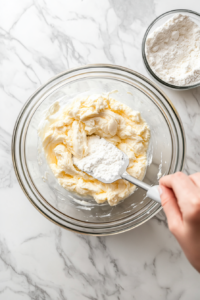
x=173 y=51
x=104 y=160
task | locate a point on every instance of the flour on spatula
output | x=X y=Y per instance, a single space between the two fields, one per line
x=104 y=160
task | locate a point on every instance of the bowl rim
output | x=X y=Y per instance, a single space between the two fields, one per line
x=81 y=68
x=145 y=61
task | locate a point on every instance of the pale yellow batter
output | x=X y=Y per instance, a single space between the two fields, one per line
x=66 y=135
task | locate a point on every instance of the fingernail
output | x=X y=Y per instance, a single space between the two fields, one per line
x=160 y=190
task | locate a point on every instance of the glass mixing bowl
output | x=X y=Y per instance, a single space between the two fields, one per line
x=160 y=20
x=165 y=154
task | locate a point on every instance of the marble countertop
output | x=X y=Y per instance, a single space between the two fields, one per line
x=39 y=260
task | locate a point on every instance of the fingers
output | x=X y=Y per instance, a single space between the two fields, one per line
x=171 y=209
x=196 y=179
x=183 y=187
x=187 y=194
x=181 y=202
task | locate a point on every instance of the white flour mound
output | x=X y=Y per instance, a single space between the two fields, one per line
x=173 y=51
x=104 y=160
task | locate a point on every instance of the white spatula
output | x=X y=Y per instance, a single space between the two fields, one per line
x=152 y=191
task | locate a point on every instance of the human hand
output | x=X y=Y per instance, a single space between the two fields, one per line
x=180 y=196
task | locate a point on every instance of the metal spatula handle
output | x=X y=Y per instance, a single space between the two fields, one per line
x=152 y=191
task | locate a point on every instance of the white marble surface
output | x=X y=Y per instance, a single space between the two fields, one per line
x=39 y=260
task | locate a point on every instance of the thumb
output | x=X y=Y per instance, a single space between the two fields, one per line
x=171 y=208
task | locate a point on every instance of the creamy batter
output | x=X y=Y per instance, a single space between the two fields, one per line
x=65 y=132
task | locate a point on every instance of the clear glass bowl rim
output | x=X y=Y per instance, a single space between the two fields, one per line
x=82 y=68
x=175 y=87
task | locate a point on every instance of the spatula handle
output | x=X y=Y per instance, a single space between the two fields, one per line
x=152 y=191
x=154 y=194
x=135 y=181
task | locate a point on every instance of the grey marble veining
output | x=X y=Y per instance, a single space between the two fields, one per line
x=39 y=260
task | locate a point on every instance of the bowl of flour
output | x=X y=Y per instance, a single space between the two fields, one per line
x=171 y=49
